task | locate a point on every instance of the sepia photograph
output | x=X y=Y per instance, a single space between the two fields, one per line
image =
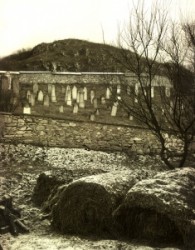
x=97 y=124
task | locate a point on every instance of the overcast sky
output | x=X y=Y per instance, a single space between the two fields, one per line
x=26 y=23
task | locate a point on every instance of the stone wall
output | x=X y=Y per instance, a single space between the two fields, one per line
x=75 y=95
x=72 y=134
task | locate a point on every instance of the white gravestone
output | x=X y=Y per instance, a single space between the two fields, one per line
x=92 y=96
x=75 y=108
x=53 y=93
x=114 y=109
x=46 y=101
x=27 y=110
x=108 y=93
x=118 y=89
x=40 y=96
x=74 y=93
x=61 y=109
x=85 y=93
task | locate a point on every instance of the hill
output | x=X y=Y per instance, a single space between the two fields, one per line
x=65 y=55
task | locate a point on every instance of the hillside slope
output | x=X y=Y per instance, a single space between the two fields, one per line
x=65 y=55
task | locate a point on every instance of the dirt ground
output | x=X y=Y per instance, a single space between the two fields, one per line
x=20 y=166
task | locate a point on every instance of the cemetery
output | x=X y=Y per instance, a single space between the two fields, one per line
x=81 y=166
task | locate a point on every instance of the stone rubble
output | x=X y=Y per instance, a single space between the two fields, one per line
x=20 y=166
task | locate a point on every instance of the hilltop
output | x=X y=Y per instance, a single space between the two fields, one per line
x=65 y=55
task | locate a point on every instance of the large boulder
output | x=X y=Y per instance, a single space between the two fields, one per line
x=160 y=209
x=85 y=206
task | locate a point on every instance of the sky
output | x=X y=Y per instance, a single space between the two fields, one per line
x=27 y=23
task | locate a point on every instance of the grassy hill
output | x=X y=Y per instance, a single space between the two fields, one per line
x=65 y=55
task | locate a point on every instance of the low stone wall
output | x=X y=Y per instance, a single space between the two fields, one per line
x=76 y=134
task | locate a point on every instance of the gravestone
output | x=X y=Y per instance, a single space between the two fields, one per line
x=118 y=89
x=46 y=101
x=85 y=93
x=32 y=100
x=92 y=96
x=97 y=112
x=103 y=100
x=16 y=86
x=61 y=109
x=26 y=110
x=108 y=93
x=53 y=93
x=92 y=117
x=5 y=83
x=152 y=92
x=95 y=103
x=49 y=88
x=40 y=96
x=131 y=118
x=68 y=97
x=114 y=109
x=74 y=93
x=75 y=108
x=35 y=88
x=28 y=95
x=81 y=99
x=128 y=90
x=136 y=89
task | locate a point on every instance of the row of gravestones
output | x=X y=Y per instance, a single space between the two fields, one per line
x=72 y=96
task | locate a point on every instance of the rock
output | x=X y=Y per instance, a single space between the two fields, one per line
x=160 y=209
x=85 y=206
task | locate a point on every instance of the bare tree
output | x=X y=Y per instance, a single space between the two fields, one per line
x=169 y=111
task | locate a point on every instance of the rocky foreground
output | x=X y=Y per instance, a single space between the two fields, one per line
x=19 y=169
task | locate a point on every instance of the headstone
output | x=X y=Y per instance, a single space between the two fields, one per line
x=49 y=88
x=85 y=93
x=35 y=88
x=46 y=101
x=16 y=86
x=26 y=110
x=167 y=92
x=114 y=109
x=131 y=118
x=108 y=93
x=32 y=100
x=92 y=96
x=74 y=93
x=68 y=97
x=40 y=96
x=28 y=95
x=103 y=100
x=81 y=99
x=97 y=112
x=136 y=88
x=61 y=109
x=75 y=108
x=4 y=83
x=92 y=117
x=128 y=90
x=67 y=93
x=53 y=93
x=95 y=103
x=118 y=89
x=136 y=100
x=152 y=92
